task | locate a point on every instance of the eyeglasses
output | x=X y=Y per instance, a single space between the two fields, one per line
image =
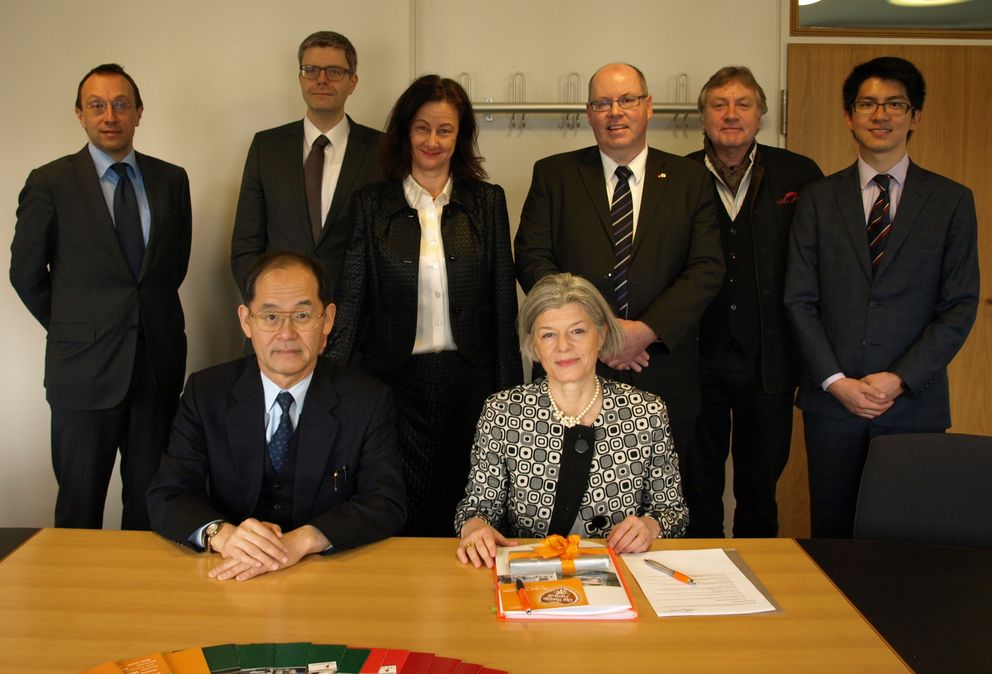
x=625 y=102
x=333 y=73
x=864 y=106
x=272 y=321
x=100 y=107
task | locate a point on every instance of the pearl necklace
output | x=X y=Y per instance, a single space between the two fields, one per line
x=564 y=419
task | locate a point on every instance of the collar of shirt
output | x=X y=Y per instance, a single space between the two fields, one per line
x=103 y=161
x=337 y=135
x=869 y=190
x=638 y=167
x=733 y=202
x=415 y=194
x=108 y=184
x=273 y=413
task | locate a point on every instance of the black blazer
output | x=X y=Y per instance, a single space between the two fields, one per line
x=272 y=206
x=68 y=268
x=677 y=265
x=214 y=464
x=777 y=179
x=377 y=307
x=911 y=318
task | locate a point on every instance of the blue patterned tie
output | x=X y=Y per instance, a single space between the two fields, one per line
x=127 y=220
x=879 y=223
x=279 y=442
x=622 y=219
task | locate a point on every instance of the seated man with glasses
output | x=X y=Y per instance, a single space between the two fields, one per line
x=298 y=178
x=280 y=454
x=881 y=286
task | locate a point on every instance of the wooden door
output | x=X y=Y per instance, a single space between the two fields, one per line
x=954 y=139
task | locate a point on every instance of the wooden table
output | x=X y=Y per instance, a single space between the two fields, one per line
x=70 y=599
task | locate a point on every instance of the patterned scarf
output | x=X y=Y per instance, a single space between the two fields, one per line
x=731 y=175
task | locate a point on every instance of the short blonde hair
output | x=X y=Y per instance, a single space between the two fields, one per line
x=555 y=291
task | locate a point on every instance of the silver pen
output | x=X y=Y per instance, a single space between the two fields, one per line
x=677 y=575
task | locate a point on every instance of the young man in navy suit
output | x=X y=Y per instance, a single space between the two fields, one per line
x=299 y=177
x=100 y=249
x=882 y=289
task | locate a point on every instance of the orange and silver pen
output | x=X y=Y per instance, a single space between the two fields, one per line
x=677 y=575
x=524 y=599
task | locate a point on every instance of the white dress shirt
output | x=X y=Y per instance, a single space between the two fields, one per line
x=733 y=202
x=433 y=323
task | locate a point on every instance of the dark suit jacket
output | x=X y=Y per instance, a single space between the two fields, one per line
x=272 y=206
x=677 y=265
x=68 y=268
x=777 y=179
x=377 y=308
x=214 y=464
x=911 y=318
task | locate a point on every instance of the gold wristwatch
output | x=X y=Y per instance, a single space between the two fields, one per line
x=209 y=532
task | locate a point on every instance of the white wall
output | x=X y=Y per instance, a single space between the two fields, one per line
x=213 y=73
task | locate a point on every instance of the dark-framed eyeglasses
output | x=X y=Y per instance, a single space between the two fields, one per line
x=272 y=321
x=333 y=73
x=100 y=107
x=865 y=106
x=625 y=102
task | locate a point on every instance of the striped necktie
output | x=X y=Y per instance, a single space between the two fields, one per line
x=622 y=220
x=879 y=224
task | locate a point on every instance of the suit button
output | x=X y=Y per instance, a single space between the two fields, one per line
x=277 y=486
x=873 y=304
x=733 y=231
x=457 y=311
x=733 y=307
x=864 y=342
x=277 y=507
x=732 y=281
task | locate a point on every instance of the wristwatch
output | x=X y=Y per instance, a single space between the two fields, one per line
x=209 y=532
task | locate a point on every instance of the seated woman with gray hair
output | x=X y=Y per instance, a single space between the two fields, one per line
x=570 y=453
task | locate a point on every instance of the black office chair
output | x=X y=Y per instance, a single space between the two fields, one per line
x=927 y=488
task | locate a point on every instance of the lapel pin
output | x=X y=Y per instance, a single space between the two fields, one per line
x=662 y=175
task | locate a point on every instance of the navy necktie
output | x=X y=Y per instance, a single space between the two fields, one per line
x=127 y=220
x=279 y=442
x=879 y=224
x=622 y=220
x=313 y=180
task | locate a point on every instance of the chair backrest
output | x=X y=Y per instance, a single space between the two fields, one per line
x=927 y=488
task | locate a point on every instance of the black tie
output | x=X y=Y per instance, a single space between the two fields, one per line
x=622 y=219
x=879 y=224
x=313 y=180
x=127 y=220
x=279 y=442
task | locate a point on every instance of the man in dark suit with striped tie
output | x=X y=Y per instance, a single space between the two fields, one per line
x=881 y=287
x=299 y=177
x=641 y=225
x=100 y=249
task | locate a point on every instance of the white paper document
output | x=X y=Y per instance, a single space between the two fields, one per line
x=721 y=588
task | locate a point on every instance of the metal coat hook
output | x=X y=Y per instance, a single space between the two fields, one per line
x=518 y=94
x=681 y=96
x=465 y=80
x=573 y=94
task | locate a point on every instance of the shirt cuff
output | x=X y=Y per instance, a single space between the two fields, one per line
x=830 y=380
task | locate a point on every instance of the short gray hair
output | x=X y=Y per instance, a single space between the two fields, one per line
x=555 y=291
x=328 y=38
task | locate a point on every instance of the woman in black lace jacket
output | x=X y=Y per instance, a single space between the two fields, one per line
x=570 y=453
x=427 y=299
